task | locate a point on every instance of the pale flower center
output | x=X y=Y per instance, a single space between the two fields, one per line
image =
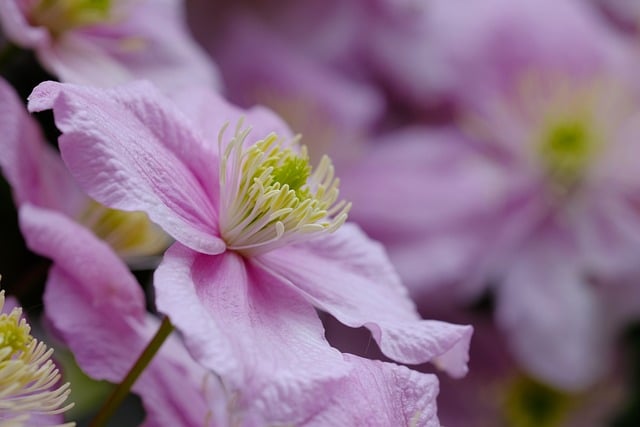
x=60 y=16
x=270 y=197
x=28 y=378
x=130 y=234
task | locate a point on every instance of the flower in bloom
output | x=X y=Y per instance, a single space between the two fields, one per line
x=106 y=42
x=260 y=239
x=38 y=177
x=546 y=143
x=92 y=301
x=30 y=386
x=89 y=285
x=95 y=306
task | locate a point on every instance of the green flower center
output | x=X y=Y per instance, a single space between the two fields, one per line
x=566 y=150
x=14 y=335
x=529 y=403
x=60 y=16
x=270 y=196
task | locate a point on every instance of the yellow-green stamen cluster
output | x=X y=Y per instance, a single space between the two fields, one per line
x=59 y=16
x=529 y=403
x=28 y=378
x=130 y=234
x=270 y=197
x=566 y=148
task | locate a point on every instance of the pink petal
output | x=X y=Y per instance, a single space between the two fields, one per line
x=97 y=308
x=74 y=248
x=379 y=394
x=211 y=112
x=313 y=97
x=34 y=170
x=149 y=40
x=433 y=177
x=350 y=277
x=106 y=342
x=266 y=342
x=17 y=29
x=131 y=150
x=551 y=314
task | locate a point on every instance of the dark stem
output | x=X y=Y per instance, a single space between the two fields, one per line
x=122 y=390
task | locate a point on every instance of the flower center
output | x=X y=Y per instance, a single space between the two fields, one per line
x=270 y=197
x=529 y=403
x=29 y=380
x=566 y=149
x=130 y=234
x=60 y=16
x=14 y=334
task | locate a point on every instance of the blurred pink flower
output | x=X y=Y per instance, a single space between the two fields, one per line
x=535 y=195
x=498 y=393
x=107 y=42
x=333 y=110
x=237 y=290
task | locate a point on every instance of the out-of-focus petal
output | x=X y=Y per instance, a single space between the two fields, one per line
x=552 y=315
x=16 y=27
x=141 y=39
x=76 y=249
x=34 y=170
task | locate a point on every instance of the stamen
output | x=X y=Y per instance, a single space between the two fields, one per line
x=130 y=234
x=28 y=377
x=270 y=197
x=59 y=16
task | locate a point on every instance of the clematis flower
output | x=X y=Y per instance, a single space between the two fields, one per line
x=38 y=177
x=545 y=143
x=88 y=284
x=260 y=238
x=96 y=307
x=30 y=389
x=91 y=299
x=106 y=42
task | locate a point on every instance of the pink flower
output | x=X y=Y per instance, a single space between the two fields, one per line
x=38 y=177
x=91 y=299
x=536 y=192
x=106 y=42
x=241 y=287
x=96 y=307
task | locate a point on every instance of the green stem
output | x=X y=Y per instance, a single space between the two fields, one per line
x=122 y=390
